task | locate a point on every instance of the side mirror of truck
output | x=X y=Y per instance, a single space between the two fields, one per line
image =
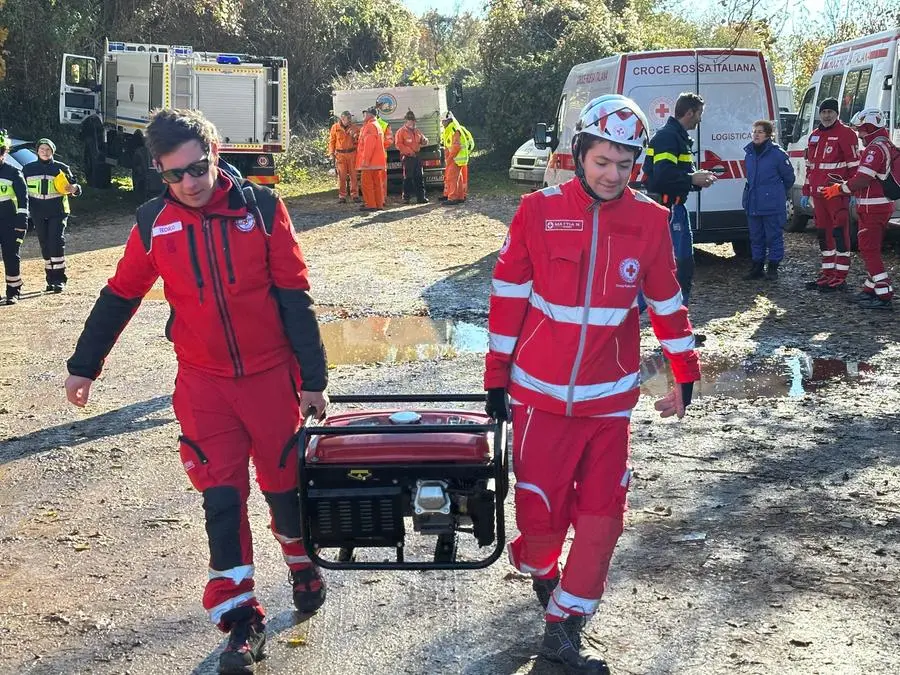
x=541 y=137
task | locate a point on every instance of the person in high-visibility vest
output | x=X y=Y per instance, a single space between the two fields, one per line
x=13 y=220
x=457 y=142
x=342 y=147
x=388 y=142
x=50 y=183
x=370 y=161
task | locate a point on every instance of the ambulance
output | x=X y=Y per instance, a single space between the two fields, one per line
x=738 y=88
x=859 y=73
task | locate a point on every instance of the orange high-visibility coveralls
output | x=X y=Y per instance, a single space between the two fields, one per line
x=342 y=145
x=371 y=160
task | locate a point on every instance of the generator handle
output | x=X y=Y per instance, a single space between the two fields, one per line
x=406 y=398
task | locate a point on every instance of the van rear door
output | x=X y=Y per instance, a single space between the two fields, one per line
x=654 y=81
x=738 y=90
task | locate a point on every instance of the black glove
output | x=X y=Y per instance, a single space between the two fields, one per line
x=687 y=391
x=496 y=404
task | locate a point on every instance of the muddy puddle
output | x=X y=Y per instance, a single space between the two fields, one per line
x=415 y=338
x=380 y=339
x=790 y=375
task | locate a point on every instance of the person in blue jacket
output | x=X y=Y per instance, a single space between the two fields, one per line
x=770 y=177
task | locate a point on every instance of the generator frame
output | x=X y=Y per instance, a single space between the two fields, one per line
x=393 y=472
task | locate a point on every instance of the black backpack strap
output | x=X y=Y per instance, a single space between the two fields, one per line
x=146 y=217
x=262 y=202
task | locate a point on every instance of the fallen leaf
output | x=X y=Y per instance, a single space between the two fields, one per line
x=81 y=547
x=801 y=643
x=299 y=641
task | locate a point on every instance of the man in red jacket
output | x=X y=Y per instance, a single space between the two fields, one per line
x=831 y=155
x=249 y=353
x=565 y=344
x=873 y=208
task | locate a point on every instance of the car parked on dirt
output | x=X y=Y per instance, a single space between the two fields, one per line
x=528 y=164
x=20 y=153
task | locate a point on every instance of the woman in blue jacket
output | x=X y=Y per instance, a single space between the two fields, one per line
x=769 y=180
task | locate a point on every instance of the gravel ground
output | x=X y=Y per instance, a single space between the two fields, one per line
x=761 y=536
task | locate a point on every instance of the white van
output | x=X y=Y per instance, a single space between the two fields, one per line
x=738 y=89
x=860 y=73
x=785 y=98
x=528 y=165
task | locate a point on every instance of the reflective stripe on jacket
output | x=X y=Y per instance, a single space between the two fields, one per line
x=564 y=322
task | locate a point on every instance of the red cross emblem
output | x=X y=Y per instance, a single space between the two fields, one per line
x=662 y=110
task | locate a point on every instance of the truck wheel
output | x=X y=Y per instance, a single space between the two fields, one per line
x=741 y=248
x=95 y=169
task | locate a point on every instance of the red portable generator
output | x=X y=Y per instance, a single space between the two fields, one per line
x=363 y=475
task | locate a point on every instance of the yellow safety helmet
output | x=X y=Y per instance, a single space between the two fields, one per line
x=61 y=183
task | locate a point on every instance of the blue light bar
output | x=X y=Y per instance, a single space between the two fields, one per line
x=229 y=59
x=117 y=46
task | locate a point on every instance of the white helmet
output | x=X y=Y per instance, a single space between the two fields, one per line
x=615 y=118
x=868 y=116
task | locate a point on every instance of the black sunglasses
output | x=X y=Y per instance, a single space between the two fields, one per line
x=195 y=169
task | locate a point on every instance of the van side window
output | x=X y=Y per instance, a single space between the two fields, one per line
x=855 y=89
x=829 y=87
x=805 y=118
x=563 y=132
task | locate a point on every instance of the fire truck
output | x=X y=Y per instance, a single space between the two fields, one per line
x=246 y=97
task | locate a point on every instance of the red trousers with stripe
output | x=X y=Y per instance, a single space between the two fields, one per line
x=570 y=471
x=832 y=217
x=225 y=422
x=872 y=226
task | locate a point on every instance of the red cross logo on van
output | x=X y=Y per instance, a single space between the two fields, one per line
x=662 y=110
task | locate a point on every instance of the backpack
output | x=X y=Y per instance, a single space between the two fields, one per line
x=260 y=201
x=891 y=182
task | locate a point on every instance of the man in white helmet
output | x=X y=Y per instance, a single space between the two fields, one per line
x=565 y=346
x=873 y=207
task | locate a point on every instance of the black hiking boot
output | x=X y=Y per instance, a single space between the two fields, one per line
x=309 y=589
x=562 y=644
x=756 y=272
x=876 y=303
x=862 y=296
x=246 y=646
x=817 y=283
x=543 y=588
x=772 y=271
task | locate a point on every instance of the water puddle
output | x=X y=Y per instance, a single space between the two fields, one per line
x=791 y=375
x=403 y=339
x=380 y=339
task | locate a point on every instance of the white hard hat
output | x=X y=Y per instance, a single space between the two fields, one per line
x=871 y=116
x=615 y=118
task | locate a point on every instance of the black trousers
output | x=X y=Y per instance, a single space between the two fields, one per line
x=51 y=233
x=413 y=178
x=9 y=246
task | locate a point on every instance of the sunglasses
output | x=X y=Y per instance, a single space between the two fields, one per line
x=195 y=169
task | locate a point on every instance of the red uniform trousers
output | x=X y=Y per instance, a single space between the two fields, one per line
x=872 y=225
x=832 y=217
x=345 y=163
x=372 y=188
x=224 y=422
x=569 y=471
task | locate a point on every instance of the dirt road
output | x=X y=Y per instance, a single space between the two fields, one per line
x=762 y=534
